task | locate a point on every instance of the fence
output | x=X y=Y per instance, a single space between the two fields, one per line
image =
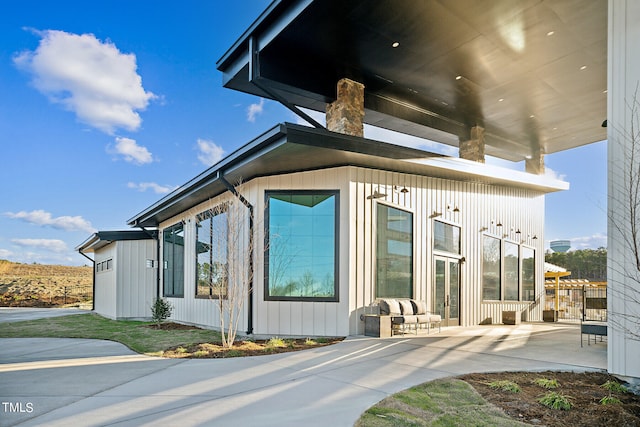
x=77 y=293
x=584 y=303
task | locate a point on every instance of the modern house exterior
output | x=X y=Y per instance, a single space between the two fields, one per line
x=340 y=221
x=515 y=80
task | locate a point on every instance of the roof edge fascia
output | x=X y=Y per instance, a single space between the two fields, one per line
x=211 y=174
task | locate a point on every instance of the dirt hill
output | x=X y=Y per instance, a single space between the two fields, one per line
x=38 y=285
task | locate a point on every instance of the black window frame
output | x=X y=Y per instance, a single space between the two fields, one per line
x=222 y=209
x=336 y=274
x=377 y=288
x=175 y=273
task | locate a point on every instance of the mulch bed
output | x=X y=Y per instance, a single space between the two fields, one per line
x=584 y=391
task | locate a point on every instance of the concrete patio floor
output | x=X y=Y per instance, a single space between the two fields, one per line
x=97 y=383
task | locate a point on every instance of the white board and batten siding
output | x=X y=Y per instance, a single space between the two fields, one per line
x=136 y=275
x=126 y=290
x=478 y=205
x=623 y=303
x=105 y=283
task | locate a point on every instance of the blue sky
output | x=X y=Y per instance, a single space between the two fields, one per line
x=106 y=108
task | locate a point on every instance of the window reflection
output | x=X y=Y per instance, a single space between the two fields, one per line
x=394 y=260
x=511 y=271
x=446 y=237
x=490 y=268
x=301 y=254
x=528 y=274
x=173 y=256
x=212 y=253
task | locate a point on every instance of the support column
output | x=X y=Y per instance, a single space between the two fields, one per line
x=346 y=113
x=535 y=164
x=623 y=287
x=473 y=149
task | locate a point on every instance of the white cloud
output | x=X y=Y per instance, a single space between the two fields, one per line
x=41 y=217
x=89 y=77
x=5 y=254
x=548 y=172
x=595 y=241
x=157 y=188
x=132 y=152
x=209 y=152
x=51 y=245
x=254 y=110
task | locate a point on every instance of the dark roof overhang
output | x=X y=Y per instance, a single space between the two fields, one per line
x=532 y=73
x=101 y=239
x=288 y=148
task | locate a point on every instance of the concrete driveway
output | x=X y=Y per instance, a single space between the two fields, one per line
x=63 y=382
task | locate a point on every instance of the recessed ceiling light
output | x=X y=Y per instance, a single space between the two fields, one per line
x=395 y=44
x=458 y=77
x=550 y=33
x=501 y=99
x=584 y=67
x=532 y=116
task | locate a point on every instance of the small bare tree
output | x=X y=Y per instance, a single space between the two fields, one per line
x=624 y=220
x=225 y=273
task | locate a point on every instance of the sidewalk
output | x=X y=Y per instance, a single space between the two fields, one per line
x=98 y=383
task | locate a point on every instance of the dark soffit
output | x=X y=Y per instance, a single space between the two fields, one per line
x=532 y=73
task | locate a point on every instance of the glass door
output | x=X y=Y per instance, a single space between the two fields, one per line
x=446 y=290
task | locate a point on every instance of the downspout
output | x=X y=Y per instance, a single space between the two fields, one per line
x=93 y=280
x=155 y=237
x=249 y=206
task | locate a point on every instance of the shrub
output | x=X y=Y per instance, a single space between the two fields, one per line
x=614 y=386
x=276 y=342
x=505 y=385
x=555 y=400
x=161 y=310
x=610 y=400
x=310 y=341
x=547 y=383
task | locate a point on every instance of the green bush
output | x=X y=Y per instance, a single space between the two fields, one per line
x=614 y=387
x=161 y=310
x=555 y=400
x=547 y=383
x=505 y=385
x=610 y=400
x=276 y=342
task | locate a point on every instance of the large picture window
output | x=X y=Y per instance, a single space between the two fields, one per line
x=173 y=257
x=511 y=271
x=301 y=256
x=528 y=274
x=394 y=254
x=212 y=231
x=490 y=268
x=446 y=237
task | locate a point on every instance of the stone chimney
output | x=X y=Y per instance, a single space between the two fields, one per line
x=473 y=149
x=346 y=113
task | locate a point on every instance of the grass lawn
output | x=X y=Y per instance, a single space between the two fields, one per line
x=138 y=336
x=448 y=402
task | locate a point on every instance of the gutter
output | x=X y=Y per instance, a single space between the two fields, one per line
x=249 y=206
x=93 y=280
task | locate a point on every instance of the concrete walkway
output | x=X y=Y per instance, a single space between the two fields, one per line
x=63 y=382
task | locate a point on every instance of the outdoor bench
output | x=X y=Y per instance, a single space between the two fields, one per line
x=592 y=328
x=407 y=314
